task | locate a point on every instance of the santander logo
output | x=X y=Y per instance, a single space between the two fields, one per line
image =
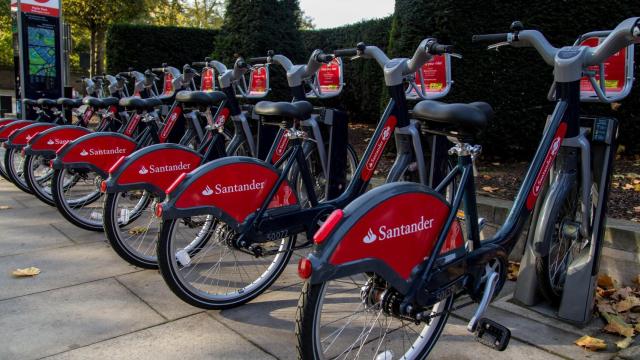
x=50 y=142
x=155 y=169
x=103 y=152
x=385 y=232
x=219 y=189
x=555 y=147
x=377 y=151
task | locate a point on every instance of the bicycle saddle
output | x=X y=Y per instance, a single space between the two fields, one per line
x=166 y=99
x=469 y=118
x=201 y=97
x=100 y=103
x=74 y=103
x=135 y=102
x=300 y=110
x=46 y=102
x=29 y=102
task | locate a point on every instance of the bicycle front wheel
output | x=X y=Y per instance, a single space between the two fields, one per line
x=38 y=176
x=14 y=165
x=77 y=196
x=199 y=262
x=349 y=318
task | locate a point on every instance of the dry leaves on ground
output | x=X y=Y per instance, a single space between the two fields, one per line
x=512 y=272
x=5 y=207
x=590 y=343
x=30 y=271
x=620 y=308
x=489 y=189
x=138 y=230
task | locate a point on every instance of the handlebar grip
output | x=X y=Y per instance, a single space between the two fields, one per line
x=259 y=60
x=157 y=69
x=490 y=38
x=200 y=63
x=325 y=58
x=345 y=52
x=438 y=49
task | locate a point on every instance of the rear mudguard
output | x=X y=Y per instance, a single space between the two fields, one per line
x=388 y=231
x=8 y=129
x=48 y=142
x=4 y=122
x=96 y=152
x=19 y=138
x=153 y=168
x=231 y=188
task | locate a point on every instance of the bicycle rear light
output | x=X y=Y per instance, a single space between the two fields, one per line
x=158 y=210
x=328 y=226
x=304 y=268
x=103 y=186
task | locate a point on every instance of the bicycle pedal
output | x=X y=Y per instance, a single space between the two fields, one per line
x=492 y=334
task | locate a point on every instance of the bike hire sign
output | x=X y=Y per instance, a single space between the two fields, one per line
x=40 y=7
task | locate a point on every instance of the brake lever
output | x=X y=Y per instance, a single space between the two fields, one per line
x=355 y=57
x=456 y=55
x=497 y=46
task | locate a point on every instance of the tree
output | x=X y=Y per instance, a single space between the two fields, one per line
x=6 y=36
x=96 y=17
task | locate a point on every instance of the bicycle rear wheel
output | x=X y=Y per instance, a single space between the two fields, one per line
x=348 y=318
x=202 y=267
x=77 y=196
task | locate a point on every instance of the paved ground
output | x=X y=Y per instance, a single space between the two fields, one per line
x=88 y=303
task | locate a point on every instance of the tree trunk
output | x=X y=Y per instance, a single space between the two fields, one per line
x=100 y=42
x=92 y=53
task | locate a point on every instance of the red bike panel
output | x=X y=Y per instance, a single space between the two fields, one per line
x=236 y=189
x=8 y=130
x=207 y=81
x=4 y=122
x=170 y=123
x=280 y=149
x=22 y=136
x=54 y=139
x=159 y=168
x=102 y=151
x=546 y=166
x=401 y=232
x=133 y=124
x=378 y=149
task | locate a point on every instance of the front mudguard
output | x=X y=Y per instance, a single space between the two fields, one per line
x=48 y=142
x=4 y=122
x=558 y=191
x=10 y=128
x=153 y=168
x=389 y=231
x=21 y=137
x=96 y=152
x=230 y=188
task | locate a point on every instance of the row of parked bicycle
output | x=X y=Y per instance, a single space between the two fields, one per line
x=220 y=195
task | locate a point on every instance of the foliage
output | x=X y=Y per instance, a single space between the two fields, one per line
x=96 y=17
x=6 y=37
x=517 y=79
x=205 y=14
x=145 y=46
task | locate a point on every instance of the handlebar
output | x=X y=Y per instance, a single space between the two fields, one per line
x=324 y=58
x=200 y=63
x=157 y=69
x=259 y=60
x=490 y=38
x=346 y=52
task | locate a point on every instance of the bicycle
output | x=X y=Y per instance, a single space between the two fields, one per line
x=150 y=171
x=374 y=286
x=256 y=212
x=85 y=162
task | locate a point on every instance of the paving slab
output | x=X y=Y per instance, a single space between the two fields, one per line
x=195 y=337
x=78 y=235
x=59 y=320
x=23 y=239
x=151 y=288
x=60 y=267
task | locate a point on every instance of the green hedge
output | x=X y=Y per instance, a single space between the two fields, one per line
x=515 y=81
x=143 y=47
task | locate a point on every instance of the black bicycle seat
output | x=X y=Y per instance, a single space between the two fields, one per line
x=100 y=103
x=166 y=99
x=201 y=97
x=469 y=118
x=74 y=103
x=135 y=102
x=46 y=102
x=30 y=102
x=300 y=110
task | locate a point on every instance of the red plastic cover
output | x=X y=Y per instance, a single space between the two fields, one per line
x=101 y=151
x=7 y=130
x=614 y=71
x=57 y=138
x=23 y=136
x=258 y=81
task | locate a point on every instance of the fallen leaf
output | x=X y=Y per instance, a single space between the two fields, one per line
x=615 y=107
x=513 y=270
x=637 y=279
x=30 y=271
x=616 y=325
x=5 y=207
x=636 y=208
x=627 y=304
x=591 y=344
x=605 y=307
x=138 y=230
x=495 y=163
x=625 y=343
x=605 y=293
x=605 y=282
x=628 y=187
x=622 y=293
x=618 y=176
x=487 y=177
x=489 y=189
